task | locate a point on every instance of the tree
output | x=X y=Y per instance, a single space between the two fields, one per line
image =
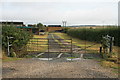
x=40 y=26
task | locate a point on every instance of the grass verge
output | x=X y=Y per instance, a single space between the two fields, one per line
x=11 y=59
x=6 y=59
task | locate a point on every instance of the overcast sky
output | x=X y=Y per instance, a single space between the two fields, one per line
x=54 y=11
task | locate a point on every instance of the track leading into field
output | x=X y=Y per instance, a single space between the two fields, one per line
x=58 y=47
x=75 y=49
x=53 y=45
x=34 y=68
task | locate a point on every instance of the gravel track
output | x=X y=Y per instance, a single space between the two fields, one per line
x=53 y=45
x=59 y=68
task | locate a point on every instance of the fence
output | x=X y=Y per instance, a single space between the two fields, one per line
x=49 y=45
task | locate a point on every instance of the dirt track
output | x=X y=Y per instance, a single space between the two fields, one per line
x=53 y=45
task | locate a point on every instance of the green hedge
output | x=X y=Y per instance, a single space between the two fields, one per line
x=20 y=37
x=95 y=35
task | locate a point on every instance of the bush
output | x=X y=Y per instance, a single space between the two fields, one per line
x=95 y=35
x=20 y=37
x=13 y=54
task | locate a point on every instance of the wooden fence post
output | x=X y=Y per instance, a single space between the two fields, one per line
x=100 y=49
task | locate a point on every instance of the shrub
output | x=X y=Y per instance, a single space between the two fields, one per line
x=13 y=54
x=20 y=37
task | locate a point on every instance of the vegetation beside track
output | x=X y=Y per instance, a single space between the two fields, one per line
x=17 y=39
x=6 y=59
x=30 y=47
x=95 y=35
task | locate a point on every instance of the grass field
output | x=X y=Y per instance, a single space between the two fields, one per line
x=90 y=46
x=38 y=43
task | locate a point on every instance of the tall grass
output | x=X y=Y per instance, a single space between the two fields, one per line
x=95 y=35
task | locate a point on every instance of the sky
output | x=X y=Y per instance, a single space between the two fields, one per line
x=75 y=12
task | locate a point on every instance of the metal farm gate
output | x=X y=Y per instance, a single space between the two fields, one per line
x=49 y=47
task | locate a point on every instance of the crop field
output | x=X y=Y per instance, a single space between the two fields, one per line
x=95 y=35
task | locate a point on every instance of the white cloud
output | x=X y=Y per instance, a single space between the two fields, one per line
x=55 y=12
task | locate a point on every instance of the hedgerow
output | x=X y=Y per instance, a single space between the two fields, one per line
x=95 y=35
x=19 y=40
